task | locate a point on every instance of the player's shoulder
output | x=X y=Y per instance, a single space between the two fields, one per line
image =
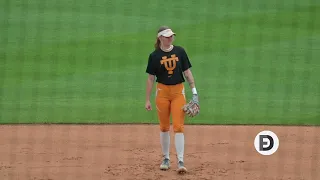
x=158 y=52
x=155 y=52
x=180 y=49
x=154 y=55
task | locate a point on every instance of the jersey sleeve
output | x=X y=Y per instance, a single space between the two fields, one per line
x=150 y=66
x=186 y=64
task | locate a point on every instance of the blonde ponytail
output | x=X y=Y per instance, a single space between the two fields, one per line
x=157 y=44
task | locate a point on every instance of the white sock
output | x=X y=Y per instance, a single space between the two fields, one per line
x=165 y=143
x=179 y=142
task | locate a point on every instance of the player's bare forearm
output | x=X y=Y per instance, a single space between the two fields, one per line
x=189 y=77
x=150 y=81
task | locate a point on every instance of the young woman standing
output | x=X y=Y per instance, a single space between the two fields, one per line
x=168 y=65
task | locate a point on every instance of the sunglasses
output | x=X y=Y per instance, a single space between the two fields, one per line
x=169 y=37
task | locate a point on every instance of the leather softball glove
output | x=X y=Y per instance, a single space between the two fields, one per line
x=192 y=108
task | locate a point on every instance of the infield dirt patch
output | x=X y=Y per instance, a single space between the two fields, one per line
x=92 y=152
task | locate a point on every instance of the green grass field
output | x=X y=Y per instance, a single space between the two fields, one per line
x=255 y=62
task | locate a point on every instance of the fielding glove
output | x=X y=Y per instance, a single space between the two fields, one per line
x=192 y=108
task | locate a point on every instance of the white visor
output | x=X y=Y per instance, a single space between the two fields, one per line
x=166 y=33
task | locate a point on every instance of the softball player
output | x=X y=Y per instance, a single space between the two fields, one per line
x=169 y=64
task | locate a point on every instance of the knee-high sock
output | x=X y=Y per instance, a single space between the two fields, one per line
x=179 y=142
x=165 y=143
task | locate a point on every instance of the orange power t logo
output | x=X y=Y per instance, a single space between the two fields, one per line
x=169 y=63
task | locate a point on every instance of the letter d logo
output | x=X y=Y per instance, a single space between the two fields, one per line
x=266 y=143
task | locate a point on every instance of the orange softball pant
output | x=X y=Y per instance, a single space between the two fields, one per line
x=169 y=101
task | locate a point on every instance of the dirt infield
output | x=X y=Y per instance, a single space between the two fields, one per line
x=80 y=152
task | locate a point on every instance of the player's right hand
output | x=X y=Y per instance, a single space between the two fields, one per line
x=148 y=106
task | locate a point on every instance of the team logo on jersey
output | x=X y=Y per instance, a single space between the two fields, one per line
x=170 y=63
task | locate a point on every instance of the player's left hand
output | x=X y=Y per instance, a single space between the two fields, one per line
x=192 y=109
